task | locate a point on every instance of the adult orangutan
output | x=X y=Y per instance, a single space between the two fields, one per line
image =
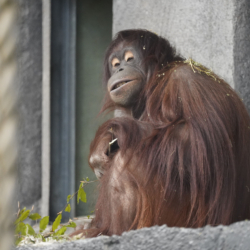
x=178 y=152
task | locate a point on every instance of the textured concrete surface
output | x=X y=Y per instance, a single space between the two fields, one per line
x=235 y=236
x=46 y=105
x=242 y=50
x=29 y=108
x=214 y=33
x=202 y=30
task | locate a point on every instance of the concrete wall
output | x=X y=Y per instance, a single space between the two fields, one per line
x=202 y=30
x=29 y=104
x=235 y=236
x=242 y=50
x=214 y=33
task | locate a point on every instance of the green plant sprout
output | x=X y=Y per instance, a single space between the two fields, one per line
x=24 y=232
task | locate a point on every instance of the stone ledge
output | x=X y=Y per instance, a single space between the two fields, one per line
x=235 y=236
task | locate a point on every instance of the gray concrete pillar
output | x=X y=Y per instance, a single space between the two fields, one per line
x=241 y=54
x=30 y=102
x=46 y=35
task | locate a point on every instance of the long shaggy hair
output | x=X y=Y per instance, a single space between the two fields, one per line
x=186 y=161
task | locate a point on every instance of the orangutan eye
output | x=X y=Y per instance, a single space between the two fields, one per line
x=115 y=62
x=129 y=56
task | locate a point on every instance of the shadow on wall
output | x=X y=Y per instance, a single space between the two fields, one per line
x=8 y=119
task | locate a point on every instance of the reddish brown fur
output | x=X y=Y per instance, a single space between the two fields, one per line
x=186 y=162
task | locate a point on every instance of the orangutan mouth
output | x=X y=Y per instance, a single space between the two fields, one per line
x=119 y=84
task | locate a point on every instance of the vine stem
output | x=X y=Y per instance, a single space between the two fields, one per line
x=73 y=195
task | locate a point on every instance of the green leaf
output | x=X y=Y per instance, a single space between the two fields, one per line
x=22 y=211
x=71 y=224
x=57 y=222
x=68 y=198
x=87 y=179
x=68 y=208
x=20 y=228
x=81 y=194
x=35 y=216
x=29 y=230
x=88 y=216
x=39 y=236
x=18 y=240
x=22 y=216
x=61 y=231
x=24 y=229
x=43 y=223
x=78 y=193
